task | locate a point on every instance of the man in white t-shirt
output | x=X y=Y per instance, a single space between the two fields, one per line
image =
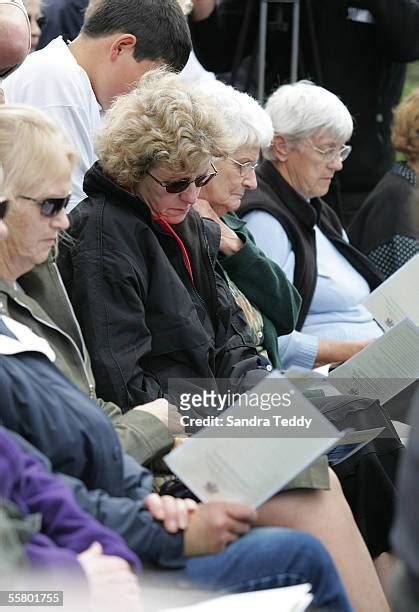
x=15 y=35
x=75 y=83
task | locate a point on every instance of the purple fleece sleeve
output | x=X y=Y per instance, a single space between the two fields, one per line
x=63 y=521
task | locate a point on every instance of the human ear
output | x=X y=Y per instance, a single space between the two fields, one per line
x=121 y=44
x=280 y=147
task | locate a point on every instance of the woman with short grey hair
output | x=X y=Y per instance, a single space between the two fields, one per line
x=300 y=232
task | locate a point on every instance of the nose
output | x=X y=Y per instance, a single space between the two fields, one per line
x=336 y=164
x=250 y=181
x=35 y=32
x=190 y=195
x=60 y=221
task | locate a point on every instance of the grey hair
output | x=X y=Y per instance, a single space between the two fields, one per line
x=245 y=120
x=299 y=110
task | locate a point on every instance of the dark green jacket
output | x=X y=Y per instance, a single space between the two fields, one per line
x=265 y=285
x=44 y=307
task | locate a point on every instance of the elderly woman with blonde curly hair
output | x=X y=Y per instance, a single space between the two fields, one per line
x=142 y=275
x=386 y=228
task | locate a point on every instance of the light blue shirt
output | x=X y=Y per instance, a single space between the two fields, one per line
x=336 y=311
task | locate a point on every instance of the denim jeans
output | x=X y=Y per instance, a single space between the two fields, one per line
x=270 y=557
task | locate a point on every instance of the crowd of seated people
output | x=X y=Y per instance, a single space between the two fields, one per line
x=38 y=399
x=188 y=260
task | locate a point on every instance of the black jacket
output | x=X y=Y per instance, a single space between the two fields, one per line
x=143 y=319
x=362 y=62
x=298 y=218
x=386 y=227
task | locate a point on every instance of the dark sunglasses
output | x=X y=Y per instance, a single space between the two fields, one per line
x=183 y=184
x=50 y=206
x=4 y=205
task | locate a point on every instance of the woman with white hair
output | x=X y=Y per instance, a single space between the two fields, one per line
x=270 y=302
x=271 y=305
x=302 y=234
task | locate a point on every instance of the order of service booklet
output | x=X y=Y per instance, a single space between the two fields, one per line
x=383 y=368
x=250 y=453
x=397 y=297
x=287 y=599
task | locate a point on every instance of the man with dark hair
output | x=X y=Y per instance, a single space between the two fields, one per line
x=15 y=35
x=76 y=82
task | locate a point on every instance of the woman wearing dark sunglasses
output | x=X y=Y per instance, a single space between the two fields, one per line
x=37 y=192
x=141 y=274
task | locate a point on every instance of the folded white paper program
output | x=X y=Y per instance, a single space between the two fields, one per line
x=251 y=453
x=384 y=368
x=397 y=297
x=288 y=599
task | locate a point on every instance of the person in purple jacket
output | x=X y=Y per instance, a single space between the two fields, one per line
x=61 y=539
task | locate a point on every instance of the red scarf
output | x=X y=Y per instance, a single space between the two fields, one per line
x=166 y=225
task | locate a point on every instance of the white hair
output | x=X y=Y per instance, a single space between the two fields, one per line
x=244 y=119
x=299 y=110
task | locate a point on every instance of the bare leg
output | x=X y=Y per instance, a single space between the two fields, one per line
x=326 y=515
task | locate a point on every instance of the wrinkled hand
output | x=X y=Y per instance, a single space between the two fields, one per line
x=204 y=208
x=336 y=352
x=214 y=525
x=112 y=584
x=230 y=242
x=174 y=513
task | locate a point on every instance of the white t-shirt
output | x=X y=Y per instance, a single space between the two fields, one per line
x=194 y=71
x=52 y=80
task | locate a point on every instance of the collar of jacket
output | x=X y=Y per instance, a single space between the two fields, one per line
x=233 y=221
x=96 y=182
x=201 y=237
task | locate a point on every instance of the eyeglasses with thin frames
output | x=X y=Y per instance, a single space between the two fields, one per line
x=50 y=206
x=245 y=167
x=183 y=184
x=332 y=153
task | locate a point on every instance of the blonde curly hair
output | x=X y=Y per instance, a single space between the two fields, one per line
x=405 y=127
x=163 y=121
